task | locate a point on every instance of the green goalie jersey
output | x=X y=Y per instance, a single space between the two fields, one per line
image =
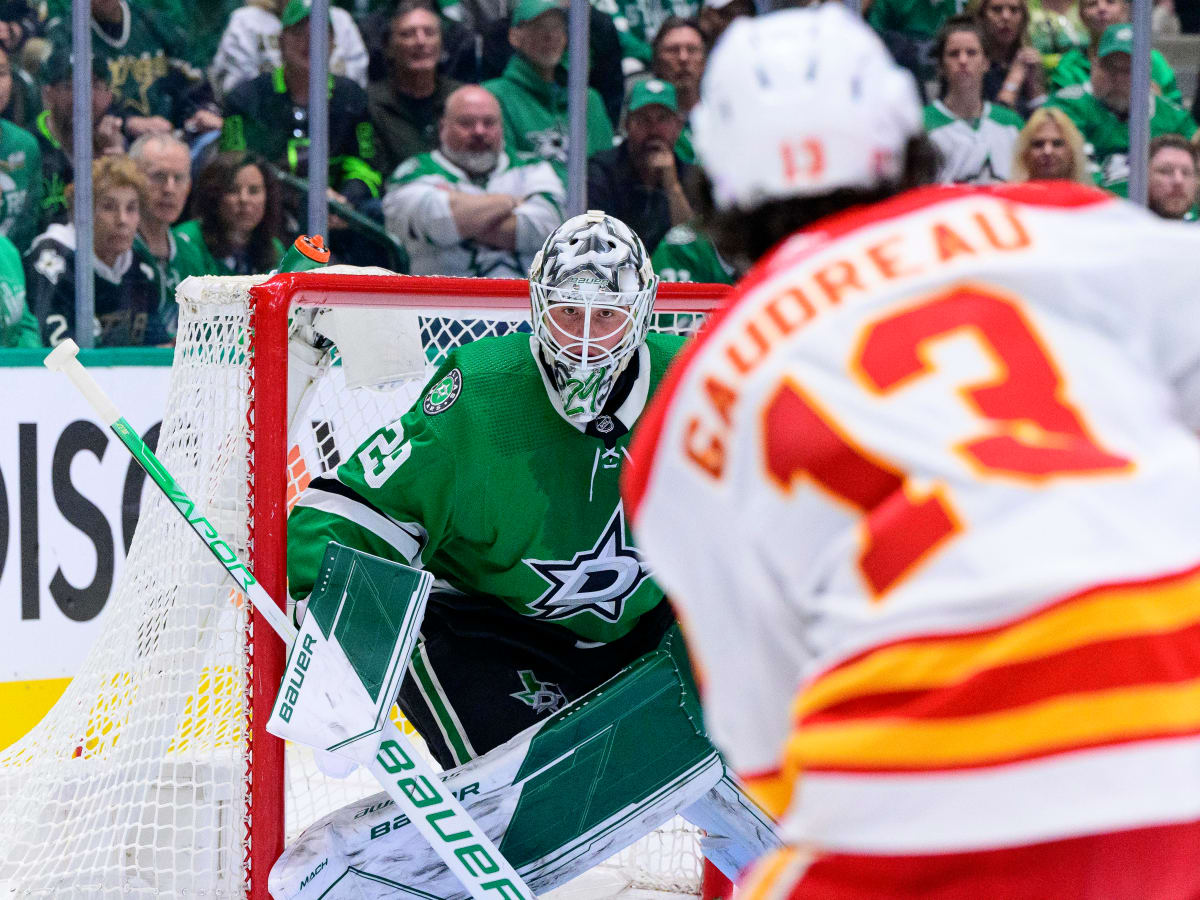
x=487 y=486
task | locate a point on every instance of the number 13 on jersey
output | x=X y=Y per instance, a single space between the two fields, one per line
x=1031 y=431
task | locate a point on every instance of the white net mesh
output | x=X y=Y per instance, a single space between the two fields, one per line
x=137 y=783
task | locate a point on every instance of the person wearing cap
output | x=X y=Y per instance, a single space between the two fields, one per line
x=268 y=115
x=641 y=181
x=1075 y=66
x=469 y=208
x=532 y=90
x=637 y=23
x=249 y=46
x=925 y=493
x=54 y=129
x=154 y=87
x=1100 y=110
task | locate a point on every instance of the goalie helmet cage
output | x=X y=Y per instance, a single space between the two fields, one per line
x=154 y=775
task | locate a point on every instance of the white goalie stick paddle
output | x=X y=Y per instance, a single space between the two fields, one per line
x=491 y=875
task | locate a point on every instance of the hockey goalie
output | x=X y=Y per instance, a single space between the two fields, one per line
x=548 y=679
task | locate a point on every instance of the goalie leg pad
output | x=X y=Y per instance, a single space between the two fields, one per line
x=558 y=798
x=737 y=831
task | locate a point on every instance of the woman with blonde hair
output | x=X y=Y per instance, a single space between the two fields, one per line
x=127 y=298
x=1050 y=147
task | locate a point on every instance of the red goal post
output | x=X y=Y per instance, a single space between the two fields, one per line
x=270 y=305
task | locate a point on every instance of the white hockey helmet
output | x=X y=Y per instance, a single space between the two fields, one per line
x=801 y=102
x=591 y=288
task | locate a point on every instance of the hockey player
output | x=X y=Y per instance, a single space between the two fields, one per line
x=502 y=481
x=927 y=496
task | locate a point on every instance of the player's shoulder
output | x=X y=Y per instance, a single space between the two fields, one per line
x=664 y=347
x=474 y=375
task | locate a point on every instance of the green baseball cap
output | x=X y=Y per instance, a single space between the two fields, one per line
x=651 y=91
x=528 y=10
x=1116 y=39
x=295 y=12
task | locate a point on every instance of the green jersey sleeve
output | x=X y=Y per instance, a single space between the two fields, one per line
x=393 y=498
x=18 y=327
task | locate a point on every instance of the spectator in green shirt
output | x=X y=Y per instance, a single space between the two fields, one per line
x=1100 y=110
x=239 y=216
x=166 y=163
x=18 y=327
x=1075 y=66
x=20 y=172
x=532 y=91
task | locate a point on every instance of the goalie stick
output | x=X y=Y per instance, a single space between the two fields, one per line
x=492 y=876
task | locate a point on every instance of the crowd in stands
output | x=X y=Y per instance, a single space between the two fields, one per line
x=448 y=132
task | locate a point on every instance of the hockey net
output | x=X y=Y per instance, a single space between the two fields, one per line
x=153 y=775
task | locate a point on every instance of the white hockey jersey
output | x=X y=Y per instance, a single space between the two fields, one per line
x=927 y=496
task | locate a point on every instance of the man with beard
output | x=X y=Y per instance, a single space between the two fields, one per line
x=679 y=57
x=1174 y=161
x=468 y=208
x=641 y=181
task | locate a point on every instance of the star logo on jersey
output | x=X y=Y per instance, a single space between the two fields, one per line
x=540 y=696
x=549 y=144
x=443 y=394
x=50 y=265
x=596 y=581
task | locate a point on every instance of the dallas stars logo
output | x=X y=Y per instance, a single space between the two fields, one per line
x=541 y=696
x=597 y=581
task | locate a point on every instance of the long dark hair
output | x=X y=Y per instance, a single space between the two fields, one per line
x=954 y=25
x=215 y=180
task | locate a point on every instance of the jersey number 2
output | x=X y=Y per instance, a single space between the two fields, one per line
x=1036 y=435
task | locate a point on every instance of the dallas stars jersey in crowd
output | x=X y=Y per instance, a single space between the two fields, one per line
x=978 y=152
x=417 y=210
x=927 y=500
x=129 y=302
x=685 y=255
x=1106 y=134
x=485 y=484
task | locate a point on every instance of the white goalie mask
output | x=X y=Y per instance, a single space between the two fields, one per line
x=592 y=290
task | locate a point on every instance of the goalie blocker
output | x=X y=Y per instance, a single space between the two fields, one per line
x=556 y=799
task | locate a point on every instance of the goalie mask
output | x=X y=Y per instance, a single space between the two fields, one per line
x=592 y=290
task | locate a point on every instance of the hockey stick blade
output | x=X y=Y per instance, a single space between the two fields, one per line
x=491 y=876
